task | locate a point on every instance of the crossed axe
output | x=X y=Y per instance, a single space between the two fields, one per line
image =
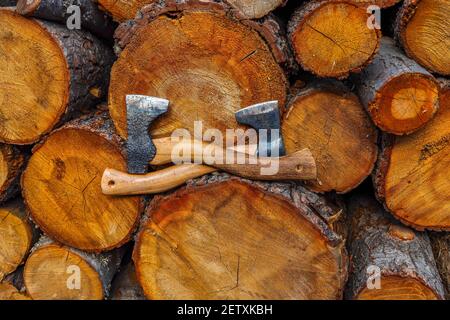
x=142 y=151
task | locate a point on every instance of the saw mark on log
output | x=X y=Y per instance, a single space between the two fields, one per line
x=431 y=148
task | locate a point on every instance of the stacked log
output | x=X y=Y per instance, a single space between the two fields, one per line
x=327 y=118
x=382 y=112
x=17 y=235
x=51 y=74
x=205 y=76
x=199 y=246
x=331 y=39
x=390 y=261
x=411 y=174
x=422 y=27
x=63 y=273
x=92 y=18
x=61 y=186
x=400 y=95
x=250 y=9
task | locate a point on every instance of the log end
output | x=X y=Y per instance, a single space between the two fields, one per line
x=332 y=39
x=15 y=238
x=37 y=79
x=199 y=245
x=405 y=103
x=412 y=174
x=54 y=272
x=61 y=187
x=423 y=29
x=333 y=125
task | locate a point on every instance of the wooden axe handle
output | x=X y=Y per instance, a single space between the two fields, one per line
x=120 y=183
x=297 y=166
x=165 y=146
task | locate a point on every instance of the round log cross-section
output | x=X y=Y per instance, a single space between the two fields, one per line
x=247 y=243
x=206 y=63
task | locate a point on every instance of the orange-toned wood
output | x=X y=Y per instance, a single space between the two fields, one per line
x=47 y=74
x=212 y=65
x=332 y=39
x=422 y=26
x=329 y=120
x=228 y=239
x=412 y=172
x=16 y=236
x=61 y=187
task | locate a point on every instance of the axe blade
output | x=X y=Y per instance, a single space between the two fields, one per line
x=141 y=112
x=265 y=115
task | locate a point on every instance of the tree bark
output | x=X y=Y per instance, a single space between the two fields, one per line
x=12 y=162
x=411 y=178
x=400 y=96
x=7 y=3
x=51 y=271
x=382 y=247
x=422 y=27
x=255 y=9
x=49 y=76
x=17 y=235
x=441 y=249
x=92 y=18
x=198 y=245
x=61 y=186
x=367 y=3
x=332 y=39
x=329 y=120
x=126 y=285
x=250 y=9
x=207 y=73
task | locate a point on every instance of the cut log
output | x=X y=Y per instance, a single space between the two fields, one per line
x=16 y=236
x=329 y=120
x=367 y=3
x=50 y=74
x=126 y=286
x=253 y=9
x=92 y=18
x=12 y=286
x=9 y=292
x=12 y=162
x=331 y=39
x=61 y=273
x=61 y=186
x=254 y=241
x=441 y=249
x=390 y=261
x=207 y=63
x=122 y=10
x=423 y=29
x=399 y=94
x=412 y=172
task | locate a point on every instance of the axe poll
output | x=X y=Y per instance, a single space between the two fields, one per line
x=142 y=151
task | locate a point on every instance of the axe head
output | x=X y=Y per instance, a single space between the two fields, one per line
x=265 y=115
x=141 y=112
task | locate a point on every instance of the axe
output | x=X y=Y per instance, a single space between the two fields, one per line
x=143 y=110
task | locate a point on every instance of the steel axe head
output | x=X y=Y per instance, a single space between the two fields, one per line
x=265 y=115
x=141 y=112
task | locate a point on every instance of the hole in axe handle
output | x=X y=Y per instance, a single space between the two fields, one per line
x=111 y=183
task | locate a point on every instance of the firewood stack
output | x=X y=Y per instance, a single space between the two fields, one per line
x=372 y=105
